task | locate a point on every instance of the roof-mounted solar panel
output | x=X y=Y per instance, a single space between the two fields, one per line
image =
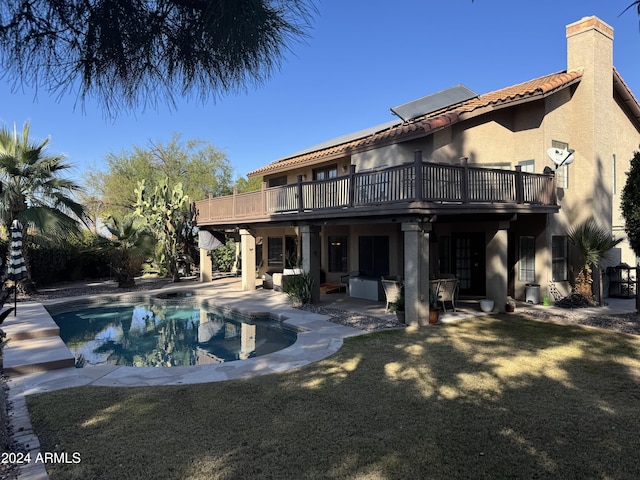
x=431 y=103
x=346 y=138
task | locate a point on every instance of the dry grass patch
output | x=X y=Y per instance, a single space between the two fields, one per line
x=485 y=398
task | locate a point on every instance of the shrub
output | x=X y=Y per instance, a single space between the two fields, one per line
x=224 y=257
x=47 y=264
x=299 y=288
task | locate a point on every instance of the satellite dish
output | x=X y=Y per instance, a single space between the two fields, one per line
x=561 y=157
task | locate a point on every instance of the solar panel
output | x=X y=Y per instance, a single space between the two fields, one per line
x=345 y=138
x=433 y=102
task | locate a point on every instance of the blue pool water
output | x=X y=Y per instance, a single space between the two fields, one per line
x=152 y=333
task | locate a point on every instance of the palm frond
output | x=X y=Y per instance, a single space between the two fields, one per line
x=34 y=190
x=592 y=241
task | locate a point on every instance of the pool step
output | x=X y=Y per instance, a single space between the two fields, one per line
x=36 y=355
x=30 y=329
x=34 y=343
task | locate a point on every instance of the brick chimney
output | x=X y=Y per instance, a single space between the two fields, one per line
x=589 y=44
x=591 y=123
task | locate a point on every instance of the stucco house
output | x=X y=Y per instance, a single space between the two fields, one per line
x=460 y=185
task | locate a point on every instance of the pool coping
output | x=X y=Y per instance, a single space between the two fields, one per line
x=317 y=339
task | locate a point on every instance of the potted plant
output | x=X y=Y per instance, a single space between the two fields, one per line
x=398 y=307
x=434 y=311
x=510 y=306
x=486 y=305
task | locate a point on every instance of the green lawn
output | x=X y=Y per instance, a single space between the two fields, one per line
x=499 y=397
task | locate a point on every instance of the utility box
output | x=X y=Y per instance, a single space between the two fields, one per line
x=532 y=293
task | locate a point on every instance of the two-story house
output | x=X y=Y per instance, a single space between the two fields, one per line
x=468 y=185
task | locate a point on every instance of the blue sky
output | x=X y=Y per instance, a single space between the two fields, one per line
x=360 y=59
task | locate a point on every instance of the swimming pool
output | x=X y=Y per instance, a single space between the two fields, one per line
x=160 y=333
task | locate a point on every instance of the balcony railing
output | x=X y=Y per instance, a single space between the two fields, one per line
x=415 y=182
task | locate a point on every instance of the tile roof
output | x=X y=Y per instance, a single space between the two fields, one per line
x=625 y=94
x=431 y=122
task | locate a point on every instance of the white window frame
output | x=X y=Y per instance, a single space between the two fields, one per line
x=527 y=260
x=562 y=172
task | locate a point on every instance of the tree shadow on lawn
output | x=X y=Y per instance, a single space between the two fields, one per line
x=501 y=397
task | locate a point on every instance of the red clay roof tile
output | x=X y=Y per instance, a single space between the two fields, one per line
x=536 y=88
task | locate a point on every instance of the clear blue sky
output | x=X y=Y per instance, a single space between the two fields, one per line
x=361 y=58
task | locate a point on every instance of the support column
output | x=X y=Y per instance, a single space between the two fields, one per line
x=416 y=273
x=311 y=256
x=496 y=279
x=248 y=256
x=206 y=266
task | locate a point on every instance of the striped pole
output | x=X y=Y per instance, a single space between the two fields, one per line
x=17 y=269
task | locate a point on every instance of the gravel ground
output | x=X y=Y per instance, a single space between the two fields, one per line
x=355 y=320
x=621 y=323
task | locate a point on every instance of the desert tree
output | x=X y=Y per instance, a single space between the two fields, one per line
x=128 y=53
x=198 y=165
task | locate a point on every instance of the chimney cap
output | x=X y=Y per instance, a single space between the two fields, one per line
x=589 y=23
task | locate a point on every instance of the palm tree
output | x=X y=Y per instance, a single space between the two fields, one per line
x=593 y=243
x=130 y=245
x=34 y=191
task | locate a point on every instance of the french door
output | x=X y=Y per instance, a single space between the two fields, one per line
x=469 y=260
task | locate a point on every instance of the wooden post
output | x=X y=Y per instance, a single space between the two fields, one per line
x=519 y=184
x=464 y=188
x=263 y=198
x=352 y=184
x=417 y=165
x=300 y=199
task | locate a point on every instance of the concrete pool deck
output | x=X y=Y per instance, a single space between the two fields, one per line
x=317 y=339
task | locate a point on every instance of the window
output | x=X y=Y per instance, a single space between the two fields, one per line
x=562 y=176
x=527 y=262
x=562 y=173
x=495 y=166
x=275 y=251
x=559 y=248
x=325 y=172
x=278 y=181
x=527 y=166
x=338 y=253
x=291 y=258
x=373 y=256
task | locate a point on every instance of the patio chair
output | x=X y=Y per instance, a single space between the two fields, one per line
x=392 y=287
x=447 y=291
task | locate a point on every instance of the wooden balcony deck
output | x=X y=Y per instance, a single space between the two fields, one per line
x=414 y=188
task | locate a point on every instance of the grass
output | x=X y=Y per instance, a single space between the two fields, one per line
x=492 y=398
